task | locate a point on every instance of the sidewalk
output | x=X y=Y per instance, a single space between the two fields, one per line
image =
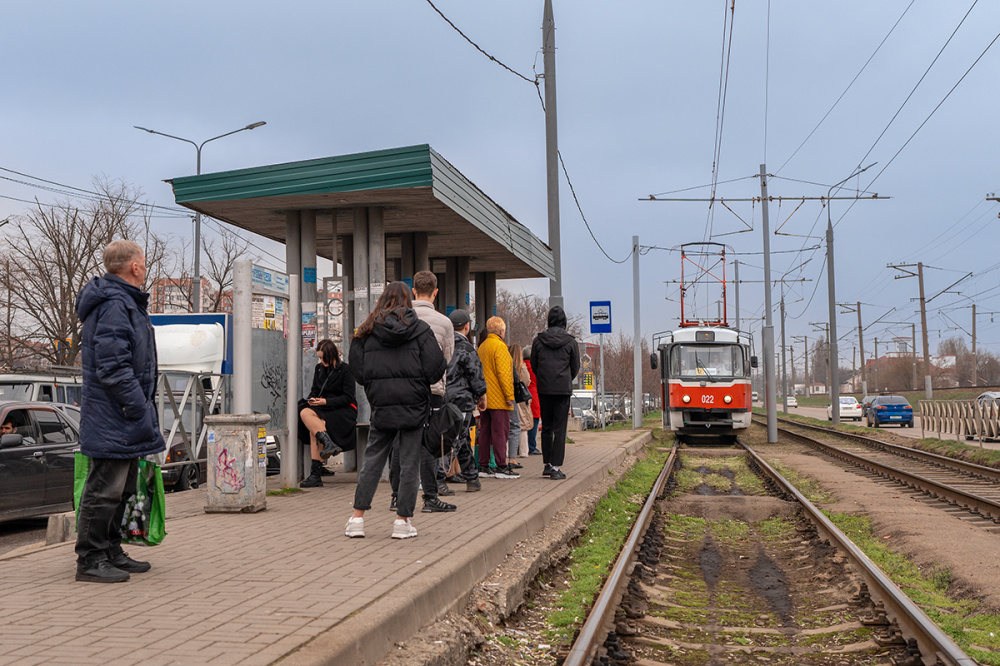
x=286 y=582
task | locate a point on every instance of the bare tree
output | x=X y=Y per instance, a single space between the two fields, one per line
x=54 y=251
x=222 y=255
x=527 y=315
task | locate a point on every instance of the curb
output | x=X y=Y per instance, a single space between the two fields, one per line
x=367 y=636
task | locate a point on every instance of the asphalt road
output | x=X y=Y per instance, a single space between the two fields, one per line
x=15 y=534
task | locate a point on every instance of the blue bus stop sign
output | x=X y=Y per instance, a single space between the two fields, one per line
x=600 y=317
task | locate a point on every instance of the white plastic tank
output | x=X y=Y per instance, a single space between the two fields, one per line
x=190 y=347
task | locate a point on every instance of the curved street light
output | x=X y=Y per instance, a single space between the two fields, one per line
x=196 y=290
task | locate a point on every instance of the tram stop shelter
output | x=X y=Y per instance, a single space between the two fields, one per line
x=382 y=215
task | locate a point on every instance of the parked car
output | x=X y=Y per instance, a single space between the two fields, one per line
x=988 y=396
x=865 y=404
x=792 y=401
x=754 y=397
x=36 y=460
x=890 y=409
x=850 y=408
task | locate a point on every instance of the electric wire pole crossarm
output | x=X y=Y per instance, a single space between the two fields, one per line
x=196 y=289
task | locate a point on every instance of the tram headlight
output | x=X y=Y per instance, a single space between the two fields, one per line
x=728 y=399
x=686 y=399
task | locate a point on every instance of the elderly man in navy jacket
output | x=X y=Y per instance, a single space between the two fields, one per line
x=118 y=422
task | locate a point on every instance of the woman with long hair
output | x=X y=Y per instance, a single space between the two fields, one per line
x=520 y=416
x=328 y=416
x=396 y=357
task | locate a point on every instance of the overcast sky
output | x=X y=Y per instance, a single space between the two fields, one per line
x=638 y=93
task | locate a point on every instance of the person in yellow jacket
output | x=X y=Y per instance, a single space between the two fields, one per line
x=494 y=421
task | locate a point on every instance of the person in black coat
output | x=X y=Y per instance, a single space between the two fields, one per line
x=396 y=357
x=555 y=358
x=328 y=416
x=118 y=419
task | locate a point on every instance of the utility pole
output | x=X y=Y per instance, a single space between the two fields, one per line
x=856 y=307
x=552 y=151
x=769 y=383
x=804 y=339
x=637 y=342
x=877 y=378
x=784 y=365
x=736 y=267
x=824 y=326
x=975 y=360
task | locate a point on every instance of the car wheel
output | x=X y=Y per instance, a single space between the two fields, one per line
x=910 y=424
x=875 y=423
x=188 y=478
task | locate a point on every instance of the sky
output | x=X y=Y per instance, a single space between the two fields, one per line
x=639 y=110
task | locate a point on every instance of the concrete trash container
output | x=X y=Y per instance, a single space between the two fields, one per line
x=237 y=463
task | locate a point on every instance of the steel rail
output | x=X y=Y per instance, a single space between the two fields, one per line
x=602 y=615
x=986 y=508
x=911 y=620
x=925 y=456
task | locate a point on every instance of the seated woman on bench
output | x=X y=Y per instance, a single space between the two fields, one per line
x=330 y=412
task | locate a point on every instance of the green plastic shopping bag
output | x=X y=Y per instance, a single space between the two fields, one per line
x=144 y=521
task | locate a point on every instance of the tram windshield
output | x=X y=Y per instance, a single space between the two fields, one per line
x=709 y=362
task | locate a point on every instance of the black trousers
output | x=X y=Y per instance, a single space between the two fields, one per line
x=555 y=413
x=99 y=529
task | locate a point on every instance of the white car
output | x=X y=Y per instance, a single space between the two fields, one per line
x=792 y=401
x=850 y=408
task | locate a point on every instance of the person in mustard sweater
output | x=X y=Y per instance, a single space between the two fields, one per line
x=494 y=421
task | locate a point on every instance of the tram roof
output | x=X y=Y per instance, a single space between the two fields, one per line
x=418 y=190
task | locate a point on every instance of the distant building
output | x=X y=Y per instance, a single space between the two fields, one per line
x=172 y=295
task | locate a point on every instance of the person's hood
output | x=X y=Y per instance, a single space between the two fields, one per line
x=395 y=330
x=106 y=288
x=557 y=317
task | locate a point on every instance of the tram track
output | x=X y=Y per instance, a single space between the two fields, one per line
x=971 y=487
x=709 y=575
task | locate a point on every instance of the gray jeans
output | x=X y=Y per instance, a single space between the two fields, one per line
x=408 y=449
x=514 y=436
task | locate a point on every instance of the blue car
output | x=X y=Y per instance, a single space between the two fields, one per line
x=890 y=409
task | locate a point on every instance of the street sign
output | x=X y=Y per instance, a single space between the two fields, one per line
x=600 y=317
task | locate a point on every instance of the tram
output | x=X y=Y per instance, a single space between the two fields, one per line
x=705 y=364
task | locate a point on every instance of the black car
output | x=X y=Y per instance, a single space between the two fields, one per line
x=36 y=460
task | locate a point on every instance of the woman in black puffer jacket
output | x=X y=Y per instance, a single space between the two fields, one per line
x=396 y=357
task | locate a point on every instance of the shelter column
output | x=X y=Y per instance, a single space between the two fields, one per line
x=406 y=249
x=490 y=283
x=462 y=283
x=376 y=255
x=293 y=242
x=347 y=271
x=421 y=260
x=480 y=303
x=360 y=273
x=450 y=286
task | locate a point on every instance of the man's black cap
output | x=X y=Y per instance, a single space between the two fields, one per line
x=459 y=318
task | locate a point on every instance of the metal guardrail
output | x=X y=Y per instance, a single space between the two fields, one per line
x=911 y=620
x=602 y=615
x=970 y=419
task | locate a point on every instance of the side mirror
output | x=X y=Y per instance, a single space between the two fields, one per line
x=653 y=362
x=753 y=361
x=10 y=441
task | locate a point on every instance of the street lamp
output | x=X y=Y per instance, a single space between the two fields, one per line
x=832 y=337
x=196 y=291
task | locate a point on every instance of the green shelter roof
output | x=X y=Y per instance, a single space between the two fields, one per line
x=418 y=190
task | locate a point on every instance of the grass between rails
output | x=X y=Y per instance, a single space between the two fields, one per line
x=603 y=539
x=976 y=632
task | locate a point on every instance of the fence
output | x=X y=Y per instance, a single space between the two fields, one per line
x=969 y=419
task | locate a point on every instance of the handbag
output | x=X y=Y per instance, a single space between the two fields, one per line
x=521 y=392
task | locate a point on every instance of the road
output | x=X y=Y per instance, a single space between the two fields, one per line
x=15 y=534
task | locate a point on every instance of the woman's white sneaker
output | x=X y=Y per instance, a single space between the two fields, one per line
x=355 y=527
x=402 y=529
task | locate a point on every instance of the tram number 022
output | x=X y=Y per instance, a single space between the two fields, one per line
x=707 y=399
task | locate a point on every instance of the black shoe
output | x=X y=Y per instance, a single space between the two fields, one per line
x=557 y=475
x=101 y=571
x=487 y=471
x=126 y=563
x=534 y=453
x=458 y=478
x=547 y=470
x=437 y=506
x=392 y=504
x=314 y=480
x=506 y=472
x=329 y=448
x=444 y=490
x=326 y=472
x=473 y=486
x=514 y=465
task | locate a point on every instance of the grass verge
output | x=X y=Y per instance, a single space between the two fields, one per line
x=602 y=541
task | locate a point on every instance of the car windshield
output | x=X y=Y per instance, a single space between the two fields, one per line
x=15 y=391
x=848 y=401
x=893 y=400
x=581 y=402
x=707 y=361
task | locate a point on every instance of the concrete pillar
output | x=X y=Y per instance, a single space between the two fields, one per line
x=376 y=254
x=450 y=286
x=439 y=302
x=406 y=263
x=347 y=271
x=397 y=269
x=490 y=283
x=481 y=315
x=462 y=282
x=421 y=260
x=307 y=259
x=293 y=242
x=360 y=273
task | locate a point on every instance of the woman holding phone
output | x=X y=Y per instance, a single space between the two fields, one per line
x=329 y=413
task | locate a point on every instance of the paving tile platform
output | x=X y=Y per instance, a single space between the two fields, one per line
x=285 y=583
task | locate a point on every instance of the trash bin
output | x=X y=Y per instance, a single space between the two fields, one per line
x=237 y=463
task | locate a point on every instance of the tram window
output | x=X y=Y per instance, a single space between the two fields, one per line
x=710 y=361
